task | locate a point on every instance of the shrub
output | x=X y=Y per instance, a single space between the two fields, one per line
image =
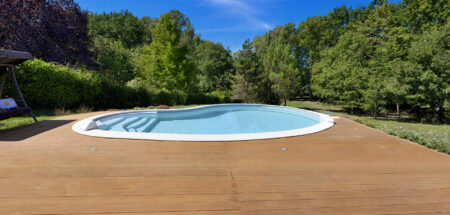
x=49 y=86
x=429 y=139
x=432 y=140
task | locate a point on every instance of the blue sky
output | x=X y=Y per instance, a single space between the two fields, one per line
x=230 y=22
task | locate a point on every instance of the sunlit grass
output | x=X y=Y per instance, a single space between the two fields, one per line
x=314 y=106
x=433 y=136
x=40 y=116
x=25 y=119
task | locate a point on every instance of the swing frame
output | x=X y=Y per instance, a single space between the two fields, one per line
x=9 y=59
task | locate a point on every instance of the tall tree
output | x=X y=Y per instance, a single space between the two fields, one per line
x=246 y=64
x=281 y=64
x=54 y=30
x=123 y=26
x=341 y=76
x=431 y=54
x=114 y=60
x=165 y=62
x=214 y=65
x=422 y=15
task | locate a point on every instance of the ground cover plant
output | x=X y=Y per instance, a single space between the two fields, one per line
x=433 y=136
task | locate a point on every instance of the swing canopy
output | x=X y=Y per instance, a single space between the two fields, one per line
x=9 y=59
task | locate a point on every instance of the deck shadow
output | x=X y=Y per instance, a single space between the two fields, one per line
x=30 y=130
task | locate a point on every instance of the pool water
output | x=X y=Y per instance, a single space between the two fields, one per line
x=232 y=120
x=221 y=122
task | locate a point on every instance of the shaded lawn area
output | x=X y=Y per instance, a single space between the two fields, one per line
x=433 y=136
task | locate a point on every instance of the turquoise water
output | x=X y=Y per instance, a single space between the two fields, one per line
x=220 y=119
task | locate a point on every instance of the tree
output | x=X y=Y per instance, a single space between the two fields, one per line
x=54 y=30
x=280 y=62
x=341 y=76
x=123 y=26
x=165 y=62
x=432 y=56
x=114 y=60
x=420 y=15
x=246 y=72
x=316 y=34
x=214 y=65
x=398 y=83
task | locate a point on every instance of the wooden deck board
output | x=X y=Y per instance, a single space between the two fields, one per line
x=46 y=168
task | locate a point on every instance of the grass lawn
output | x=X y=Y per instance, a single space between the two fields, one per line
x=25 y=119
x=433 y=136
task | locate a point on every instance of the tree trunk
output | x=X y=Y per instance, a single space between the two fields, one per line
x=351 y=112
x=285 y=102
x=439 y=112
x=310 y=92
x=398 y=111
x=246 y=91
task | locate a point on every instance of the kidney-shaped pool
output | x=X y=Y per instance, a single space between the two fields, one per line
x=223 y=122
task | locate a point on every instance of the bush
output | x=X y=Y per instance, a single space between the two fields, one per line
x=432 y=140
x=429 y=139
x=49 y=86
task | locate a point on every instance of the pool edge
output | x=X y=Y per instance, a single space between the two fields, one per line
x=86 y=127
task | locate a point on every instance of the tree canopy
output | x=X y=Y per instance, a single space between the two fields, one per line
x=54 y=30
x=375 y=59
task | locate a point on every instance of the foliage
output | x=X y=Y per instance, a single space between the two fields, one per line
x=436 y=139
x=246 y=73
x=280 y=63
x=49 y=86
x=214 y=65
x=431 y=86
x=123 y=26
x=165 y=62
x=114 y=60
x=54 y=30
x=433 y=136
x=374 y=59
x=379 y=63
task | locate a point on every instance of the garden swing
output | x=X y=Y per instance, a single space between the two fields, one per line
x=8 y=107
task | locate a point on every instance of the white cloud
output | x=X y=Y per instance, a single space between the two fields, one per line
x=242 y=10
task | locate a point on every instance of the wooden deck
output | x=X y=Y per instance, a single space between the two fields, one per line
x=47 y=168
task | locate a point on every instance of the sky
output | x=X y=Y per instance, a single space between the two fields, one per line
x=230 y=22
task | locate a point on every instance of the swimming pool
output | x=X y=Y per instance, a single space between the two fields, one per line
x=223 y=122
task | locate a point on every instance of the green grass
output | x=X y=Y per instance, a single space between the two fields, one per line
x=436 y=137
x=433 y=136
x=314 y=106
x=25 y=119
x=40 y=116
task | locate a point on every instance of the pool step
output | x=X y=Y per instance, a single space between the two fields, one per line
x=130 y=122
x=151 y=125
x=109 y=126
x=137 y=127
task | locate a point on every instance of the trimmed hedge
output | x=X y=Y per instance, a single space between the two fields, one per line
x=48 y=85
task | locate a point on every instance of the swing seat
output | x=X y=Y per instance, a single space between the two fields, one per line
x=19 y=111
x=8 y=59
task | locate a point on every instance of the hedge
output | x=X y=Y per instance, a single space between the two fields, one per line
x=48 y=85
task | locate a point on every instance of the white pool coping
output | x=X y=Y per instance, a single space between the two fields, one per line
x=88 y=127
